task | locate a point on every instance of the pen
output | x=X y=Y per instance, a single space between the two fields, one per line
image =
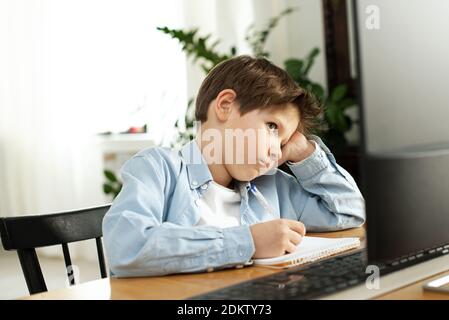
x=259 y=196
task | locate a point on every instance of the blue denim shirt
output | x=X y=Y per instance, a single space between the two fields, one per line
x=151 y=229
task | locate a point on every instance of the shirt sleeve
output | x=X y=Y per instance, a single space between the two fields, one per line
x=332 y=200
x=139 y=242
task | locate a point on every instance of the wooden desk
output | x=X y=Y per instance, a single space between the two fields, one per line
x=184 y=286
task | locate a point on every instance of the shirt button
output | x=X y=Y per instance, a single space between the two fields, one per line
x=241 y=253
x=210 y=269
x=204 y=186
x=194 y=183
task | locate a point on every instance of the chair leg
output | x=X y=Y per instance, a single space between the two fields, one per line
x=68 y=264
x=101 y=257
x=32 y=270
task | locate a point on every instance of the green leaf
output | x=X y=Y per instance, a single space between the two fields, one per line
x=317 y=90
x=310 y=59
x=313 y=53
x=346 y=103
x=331 y=113
x=110 y=175
x=343 y=122
x=305 y=83
x=107 y=188
x=339 y=92
x=294 y=68
x=197 y=47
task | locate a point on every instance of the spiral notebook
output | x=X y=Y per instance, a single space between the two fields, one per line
x=310 y=249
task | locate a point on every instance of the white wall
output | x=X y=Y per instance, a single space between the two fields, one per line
x=305 y=31
x=228 y=21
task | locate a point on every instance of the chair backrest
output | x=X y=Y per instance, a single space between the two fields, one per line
x=24 y=234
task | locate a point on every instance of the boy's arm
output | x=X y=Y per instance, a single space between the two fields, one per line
x=139 y=243
x=333 y=201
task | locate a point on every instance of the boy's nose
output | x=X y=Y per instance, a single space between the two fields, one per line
x=275 y=153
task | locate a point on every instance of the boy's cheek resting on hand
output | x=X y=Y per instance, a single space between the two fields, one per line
x=297 y=148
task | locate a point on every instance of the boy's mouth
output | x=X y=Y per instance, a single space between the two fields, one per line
x=268 y=162
x=266 y=167
x=265 y=164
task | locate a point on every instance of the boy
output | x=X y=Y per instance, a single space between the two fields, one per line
x=202 y=209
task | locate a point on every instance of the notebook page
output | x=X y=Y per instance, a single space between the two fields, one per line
x=312 y=248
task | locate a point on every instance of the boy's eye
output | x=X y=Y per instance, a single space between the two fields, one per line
x=272 y=126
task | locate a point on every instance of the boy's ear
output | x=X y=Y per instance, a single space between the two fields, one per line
x=224 y=104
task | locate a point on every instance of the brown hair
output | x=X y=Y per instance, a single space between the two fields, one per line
x=258 y=84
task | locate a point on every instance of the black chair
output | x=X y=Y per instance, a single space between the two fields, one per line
x=26 y=233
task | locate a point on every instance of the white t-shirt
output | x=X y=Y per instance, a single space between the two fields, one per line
x=219 y=206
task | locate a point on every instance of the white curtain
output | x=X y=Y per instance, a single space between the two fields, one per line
x=72 y=68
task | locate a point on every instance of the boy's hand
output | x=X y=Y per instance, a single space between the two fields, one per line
x=296 y=149
x=274 y=238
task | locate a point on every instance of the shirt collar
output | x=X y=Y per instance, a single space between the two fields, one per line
x=197 y=169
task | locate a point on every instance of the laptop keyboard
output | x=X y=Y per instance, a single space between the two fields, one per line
x=317 y=279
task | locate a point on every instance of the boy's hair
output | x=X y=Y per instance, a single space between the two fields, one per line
x=258 y=84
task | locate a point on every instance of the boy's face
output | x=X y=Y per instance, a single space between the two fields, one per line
x=272 y=128
x=248 y=145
